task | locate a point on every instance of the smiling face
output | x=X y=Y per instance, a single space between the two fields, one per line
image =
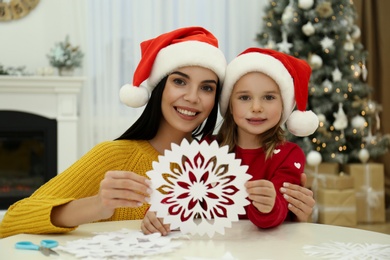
x=256 y=105
x=187 y=100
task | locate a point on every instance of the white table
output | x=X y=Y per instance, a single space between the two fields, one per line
x=243 y=241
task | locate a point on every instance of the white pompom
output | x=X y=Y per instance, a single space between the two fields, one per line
x=302 y=123
x=364 y=155
x=313 y=158
x=133 y=96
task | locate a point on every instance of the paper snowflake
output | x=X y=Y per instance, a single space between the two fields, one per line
x=122 y=244
x=198 y=188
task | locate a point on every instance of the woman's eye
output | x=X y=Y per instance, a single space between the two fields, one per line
x=179 y=82
x=208 y=88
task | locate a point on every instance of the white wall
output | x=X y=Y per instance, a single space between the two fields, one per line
x=26 y=41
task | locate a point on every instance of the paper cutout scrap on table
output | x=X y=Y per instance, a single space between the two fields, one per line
x=198 y=187
x=122 y=244
x=341 y=250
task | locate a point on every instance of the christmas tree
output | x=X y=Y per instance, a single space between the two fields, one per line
x=324 y=33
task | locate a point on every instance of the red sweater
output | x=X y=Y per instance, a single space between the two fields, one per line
x=286 y=165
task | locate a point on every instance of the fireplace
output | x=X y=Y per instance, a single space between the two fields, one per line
x=38 y=127
x=28 y=154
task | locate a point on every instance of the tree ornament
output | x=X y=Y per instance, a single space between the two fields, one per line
x=364 y=70
x=371 y=107
x=358 y=122
x=270 y=44
x=336 y=75
x=364 y=155
x=288 y=14
x=315 y=61
x=355 y=32
x=327 y=85
x=284 y=46
x=308 y=29
x=369 y=138
x=341 y=121
x=357 y=70
x=324 y=9
x=327 y=43
x=348 y=45
x=313 y=158
x=305 y=4
x=321 y=117
x=344 y=22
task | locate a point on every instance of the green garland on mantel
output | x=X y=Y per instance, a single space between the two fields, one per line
x=13 y=71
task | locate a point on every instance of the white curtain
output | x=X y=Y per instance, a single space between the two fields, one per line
x=115 y=28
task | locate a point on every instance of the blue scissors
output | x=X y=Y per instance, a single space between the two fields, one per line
x=45 y=247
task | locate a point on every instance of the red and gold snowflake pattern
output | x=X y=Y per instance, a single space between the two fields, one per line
x=199 y=188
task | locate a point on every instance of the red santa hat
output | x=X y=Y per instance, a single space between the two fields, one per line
x=189 y=46
x=292 y=76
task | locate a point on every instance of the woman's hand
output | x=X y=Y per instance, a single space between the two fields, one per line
x=117 y=189
x=300 y=199
x=151 y=224
x=262 y=193
x=122 y=189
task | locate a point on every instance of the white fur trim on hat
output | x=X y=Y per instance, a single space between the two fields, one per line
x=254 y=61
x=188 y=53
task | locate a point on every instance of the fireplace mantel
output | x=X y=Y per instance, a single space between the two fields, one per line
x=51 y=97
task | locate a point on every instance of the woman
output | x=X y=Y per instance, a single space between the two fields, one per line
x=184 y=70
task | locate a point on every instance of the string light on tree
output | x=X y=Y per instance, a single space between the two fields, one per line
x=327 y=85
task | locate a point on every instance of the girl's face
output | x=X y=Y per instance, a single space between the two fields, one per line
x=188 y=99
x=256 y=104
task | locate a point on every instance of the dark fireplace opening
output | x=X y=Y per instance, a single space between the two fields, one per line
x=28 y=154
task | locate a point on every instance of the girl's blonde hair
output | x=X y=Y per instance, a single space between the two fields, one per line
x=228 y=135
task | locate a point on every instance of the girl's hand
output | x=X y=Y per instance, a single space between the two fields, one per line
x=300 y=199
x=151 y=224
x=122 y=189
x=262 y=193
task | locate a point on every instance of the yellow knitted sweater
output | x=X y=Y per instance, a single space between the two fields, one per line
x=82 y=179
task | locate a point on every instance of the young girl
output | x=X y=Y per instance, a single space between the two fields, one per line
x=184 y=70
x=258 y=96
